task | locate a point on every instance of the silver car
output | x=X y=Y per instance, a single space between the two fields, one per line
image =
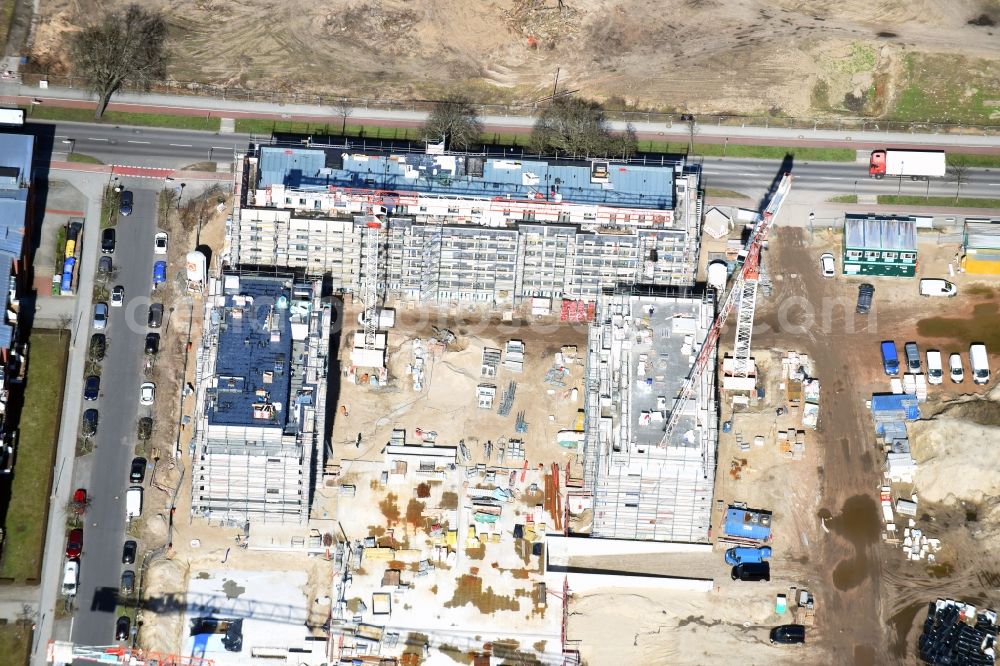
x=100 y=316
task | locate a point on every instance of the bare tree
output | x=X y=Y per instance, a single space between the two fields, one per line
x=625 y=143
x=692 y=128
x=122 y=46
x=455 y=120
x=62 y=323
x=959 y=171
x=572 y=126
x=344 y=110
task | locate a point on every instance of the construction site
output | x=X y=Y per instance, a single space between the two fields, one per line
x=446 y=473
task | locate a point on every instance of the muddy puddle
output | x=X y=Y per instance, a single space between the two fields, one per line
x=858 y=522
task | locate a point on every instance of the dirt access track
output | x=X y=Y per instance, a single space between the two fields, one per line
x=707 y=56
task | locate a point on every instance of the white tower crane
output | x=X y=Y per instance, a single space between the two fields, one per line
x=745 y=289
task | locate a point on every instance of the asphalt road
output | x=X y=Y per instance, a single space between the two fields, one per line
x=178 y=148
x=123 y=145
x=753 y=176
x=118 y=404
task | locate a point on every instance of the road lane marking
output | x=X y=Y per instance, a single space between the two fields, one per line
x=137 y=142
x=181 y=145
x=90 y=138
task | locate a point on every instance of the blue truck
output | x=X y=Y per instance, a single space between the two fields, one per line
x=890 y=359
x=744 y=555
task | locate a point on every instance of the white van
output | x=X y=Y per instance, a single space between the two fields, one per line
x=71 y=577
x=955 y=368
x=980 y=364
x=937 y=287
x=935 y=372
x=133 y=502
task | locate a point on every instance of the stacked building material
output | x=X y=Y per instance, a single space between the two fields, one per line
x=955 y=633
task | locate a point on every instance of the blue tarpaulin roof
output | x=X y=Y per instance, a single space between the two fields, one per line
x=747 y=523
x=627 y=185
x=896 y=402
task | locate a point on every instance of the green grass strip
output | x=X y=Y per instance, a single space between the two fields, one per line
x=27 y=516
x=941 y=202
x=173 y=121
x=83 y=159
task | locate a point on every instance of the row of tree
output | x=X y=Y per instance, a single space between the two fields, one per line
x=130 y=45
x=568 y=126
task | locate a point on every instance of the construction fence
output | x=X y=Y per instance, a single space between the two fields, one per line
x=668 y=119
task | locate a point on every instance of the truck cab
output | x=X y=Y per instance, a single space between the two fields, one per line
x=890 y=359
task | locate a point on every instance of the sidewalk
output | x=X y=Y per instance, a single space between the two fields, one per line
x=214 y=107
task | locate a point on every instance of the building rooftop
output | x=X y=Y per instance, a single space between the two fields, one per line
x=16 y=152
x=600 y=182
x=253 y=366
x=880 y=233
x=982 y=234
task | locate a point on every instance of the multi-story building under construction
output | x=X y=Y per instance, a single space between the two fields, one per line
x=468 y=227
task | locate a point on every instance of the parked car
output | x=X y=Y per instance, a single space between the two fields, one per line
x=788 y=634
x=752 y=571
x=100 y=316
x=117 y=296
x=912 y=357
x=152 y=343
x=105 y=265
x=108 y=240
x=890 y=359
x=122 y=627
x=128 y=552
x=979 y=363
x=128 y=581
x=125 y=203
x=955 y=369
x=866 y=294
x=92 y=387
x=937 y=287
x=74 y=544
x=743 y=555
x=159 y=273
x=80 y=501
x=90 y=419
x=147 y=393
x=137 y=473
x=71 y=577
x=160 y=243
x=155 y=319
x=827 y=265
x=935 y=372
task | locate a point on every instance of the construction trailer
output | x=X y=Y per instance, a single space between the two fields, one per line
x=880 y=246
x=749 y=524
x=981 y=246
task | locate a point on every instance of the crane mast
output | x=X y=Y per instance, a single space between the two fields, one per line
x=744 y=290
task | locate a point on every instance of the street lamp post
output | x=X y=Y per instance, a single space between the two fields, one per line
x=181 y=196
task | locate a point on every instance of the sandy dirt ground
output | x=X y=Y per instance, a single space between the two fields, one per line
x=447 y=404
x=737 y=56
x=870 y=601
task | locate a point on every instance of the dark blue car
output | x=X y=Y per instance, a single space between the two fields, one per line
x=159 y=273
x=92 y=387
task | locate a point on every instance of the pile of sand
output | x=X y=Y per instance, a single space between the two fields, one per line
x=956 y=451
